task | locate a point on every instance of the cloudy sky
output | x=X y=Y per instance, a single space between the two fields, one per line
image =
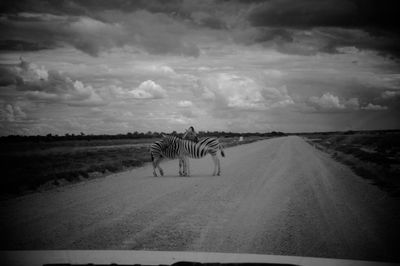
x=122 y=66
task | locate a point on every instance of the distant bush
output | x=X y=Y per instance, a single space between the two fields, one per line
x=127 y=136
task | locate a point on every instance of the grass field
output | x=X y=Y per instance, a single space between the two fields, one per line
x=28 y=166
x=372 y=155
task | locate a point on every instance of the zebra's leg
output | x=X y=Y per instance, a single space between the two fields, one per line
x=154 y=166
x=179 y=170
x=185 y=161
x=219 y=166
x=187 y=166
x=157 y=165
x=184 y=166
x=181 y=165
x=215 y=160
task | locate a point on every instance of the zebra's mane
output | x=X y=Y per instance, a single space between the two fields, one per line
x=164 y=136
x=172 y=137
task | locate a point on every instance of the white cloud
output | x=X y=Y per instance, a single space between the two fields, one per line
x=161 y=69
x=30 y=72
x=66 y=91
x=93 y=100
x=352 y=103
x=273 y=73
x=189 y=110
x=277 y=97
x=148 y=90
x=189 y=113
x=12 y=113
x=52 y=86
x=204 y=68
x=374 y=107
x=327 y=101
x=207 y=94
x=179 y=121
x=116 y=92
x=185 y=103
x=233 y=91
x=241 y=92
x=330 y=102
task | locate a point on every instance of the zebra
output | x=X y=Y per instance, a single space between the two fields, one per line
x=160 y=150
x=176 y=147
x=157 y=148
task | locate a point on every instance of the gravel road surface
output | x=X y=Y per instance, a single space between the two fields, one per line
x=279 y=196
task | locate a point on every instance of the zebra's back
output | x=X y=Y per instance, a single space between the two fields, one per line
x=208 y=145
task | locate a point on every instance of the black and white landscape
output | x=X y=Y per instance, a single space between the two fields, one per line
x=304 y=96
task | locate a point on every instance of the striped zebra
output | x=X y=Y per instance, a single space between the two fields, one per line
x=180 y=148
x=160 y=150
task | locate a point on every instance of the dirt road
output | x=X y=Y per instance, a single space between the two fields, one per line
x=278 y=196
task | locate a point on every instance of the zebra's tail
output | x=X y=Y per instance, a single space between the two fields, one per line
x=152 y=157
x=222 y=150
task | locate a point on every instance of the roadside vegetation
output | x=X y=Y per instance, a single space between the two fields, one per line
x=374 y=155
x=30 y=163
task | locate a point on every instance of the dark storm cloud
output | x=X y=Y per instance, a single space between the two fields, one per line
x=300 y=13
x=19 y=45
x=85 y=34
x=289 y=26
x=321 y=39
x=306 y=13
x=155 y=33
x=328 y=13
x=90 y=7
x=377 y=19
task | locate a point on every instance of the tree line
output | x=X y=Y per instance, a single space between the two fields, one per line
x=129 y=135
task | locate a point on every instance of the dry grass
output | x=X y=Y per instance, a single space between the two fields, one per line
x=372 y=155
x=27 y=170
x=28 y=166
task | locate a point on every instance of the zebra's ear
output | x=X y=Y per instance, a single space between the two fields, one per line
x=163 y=136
